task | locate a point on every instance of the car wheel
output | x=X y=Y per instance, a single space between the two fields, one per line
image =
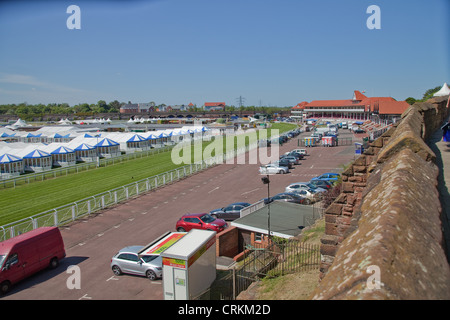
x=181 y=229
x=116 y=270
x=54 y=263
x=307 y=201
x=5 y=287
x=151 y=275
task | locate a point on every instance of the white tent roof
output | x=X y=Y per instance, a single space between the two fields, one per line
x=444 y=91
x=21 y=123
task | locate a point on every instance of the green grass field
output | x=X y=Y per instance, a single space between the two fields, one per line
x=36 y=197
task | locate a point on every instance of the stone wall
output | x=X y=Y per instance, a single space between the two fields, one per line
x=383 y=236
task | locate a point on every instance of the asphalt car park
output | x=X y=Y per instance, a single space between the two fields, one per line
x=90 y=243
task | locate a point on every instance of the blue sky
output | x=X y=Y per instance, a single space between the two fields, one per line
x=271 y=52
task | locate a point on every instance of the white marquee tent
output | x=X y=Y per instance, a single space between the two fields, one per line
x=444 y=91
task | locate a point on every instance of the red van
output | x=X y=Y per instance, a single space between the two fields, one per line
x=28 y=253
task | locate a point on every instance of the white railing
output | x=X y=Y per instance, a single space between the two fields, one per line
x=78 y=209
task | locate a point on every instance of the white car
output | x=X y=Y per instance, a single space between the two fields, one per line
x=295 y=187
x=272 y=168
x=301 y=151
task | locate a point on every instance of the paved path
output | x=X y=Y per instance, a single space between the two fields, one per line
x=442 y=151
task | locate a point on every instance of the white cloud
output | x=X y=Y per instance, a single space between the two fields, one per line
x=19 y=88
x=21 y=79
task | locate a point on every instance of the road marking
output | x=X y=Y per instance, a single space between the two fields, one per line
x=112 y=278
x=213 y=189
x=100 y=234
x=85 y=297
x=250 y=191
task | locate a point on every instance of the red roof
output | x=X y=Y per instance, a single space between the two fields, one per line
x=393 y=107
x=214 y=104
x=300 y=106
x=359 y=96
x=385 y=105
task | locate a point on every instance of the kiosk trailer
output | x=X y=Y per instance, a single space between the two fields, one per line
x=189 y=265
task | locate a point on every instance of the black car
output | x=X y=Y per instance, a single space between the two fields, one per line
x=230 y=212
x=296 y=154
x=286 y=196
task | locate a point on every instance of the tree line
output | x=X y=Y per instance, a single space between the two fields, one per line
x=29 y=111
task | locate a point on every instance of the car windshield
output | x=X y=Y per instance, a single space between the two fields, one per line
x=207 y=218
x=2 y=258
x=311 y=186
x=149 y=258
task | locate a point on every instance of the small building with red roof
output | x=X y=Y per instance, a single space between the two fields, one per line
x=214 y=106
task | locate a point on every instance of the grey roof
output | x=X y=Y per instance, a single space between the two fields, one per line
x=286 y=219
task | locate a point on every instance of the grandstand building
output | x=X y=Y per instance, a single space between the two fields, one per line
x=360 y=107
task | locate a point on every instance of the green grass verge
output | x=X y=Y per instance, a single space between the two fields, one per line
x=39 y=196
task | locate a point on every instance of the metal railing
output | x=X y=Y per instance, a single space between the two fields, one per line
x=78 y=209
x=80 y=167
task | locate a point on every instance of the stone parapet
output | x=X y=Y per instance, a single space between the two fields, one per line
x=383 y=235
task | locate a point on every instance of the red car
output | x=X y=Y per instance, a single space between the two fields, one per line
x=200 y=221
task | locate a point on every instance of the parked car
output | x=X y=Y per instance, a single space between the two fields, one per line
x=297 y=154
x=24 y=255
x=230 y=212
x=301 y=151
x=284 y=163
x=285 y=196
x=128 y=260
x=200 y=221
x=325 y=184
x=291 y=159
x=329 y=176
x=272 y=168
x=294 y=187
x=310 y=195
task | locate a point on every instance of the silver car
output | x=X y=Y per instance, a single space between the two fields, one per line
x=128 y=260
x=294 y=187
x=272 y=168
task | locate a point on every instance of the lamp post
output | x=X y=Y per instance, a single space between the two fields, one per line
x=266 y=180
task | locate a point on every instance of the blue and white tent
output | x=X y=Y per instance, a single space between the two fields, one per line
x=105 y=142
x=9 y=158
x=36 y=154
x=7 y=135
x=136 y=138
x=36 y=160
x=62 y=150
x=84 y=147
x=10 y=166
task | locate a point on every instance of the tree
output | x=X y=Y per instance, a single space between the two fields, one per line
x=429 y=93
x=410 y=100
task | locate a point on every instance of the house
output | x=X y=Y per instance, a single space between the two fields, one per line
x=137 y=108
x=214 y=106
x=129 y=108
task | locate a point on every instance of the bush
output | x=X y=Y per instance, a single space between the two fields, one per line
x=331 y=195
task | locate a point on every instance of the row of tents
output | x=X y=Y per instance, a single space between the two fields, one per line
x=33 y=152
